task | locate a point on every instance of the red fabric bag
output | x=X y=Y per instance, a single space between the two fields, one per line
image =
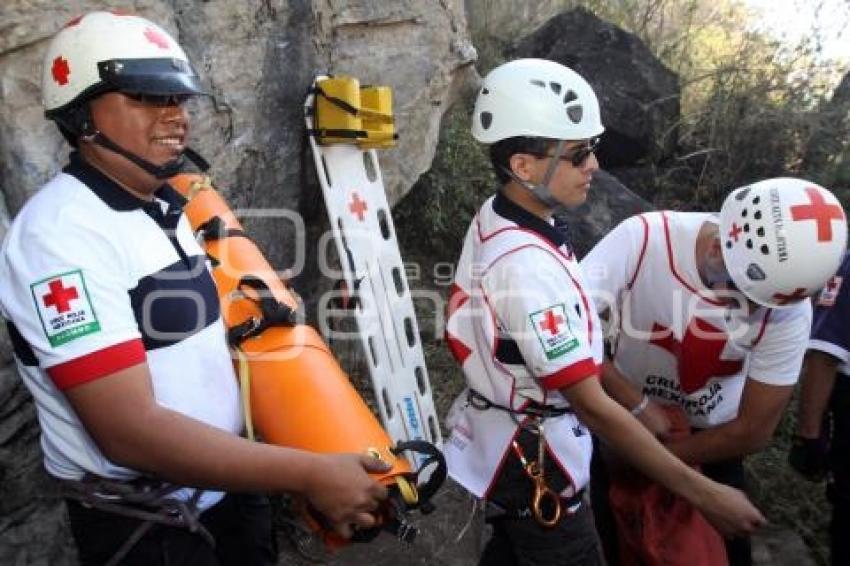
x=658 y=528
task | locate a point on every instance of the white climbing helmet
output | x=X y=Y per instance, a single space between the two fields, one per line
x=103 y=51
x=782 y=239
x=535 y=98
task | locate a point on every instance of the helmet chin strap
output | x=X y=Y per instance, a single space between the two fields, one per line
x=541 y=190
x=169 y=169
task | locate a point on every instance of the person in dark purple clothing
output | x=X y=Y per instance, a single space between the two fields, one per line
x=822 y=443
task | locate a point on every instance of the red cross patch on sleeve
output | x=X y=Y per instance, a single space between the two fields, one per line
x=63 y=306
x=553 y=330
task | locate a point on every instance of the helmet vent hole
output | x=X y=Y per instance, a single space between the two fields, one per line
x=537 y=82
x=756 y=200
x=574 y=113
x=556 y=87
x=728 y=244
x=485 y=91
x=757 y=215
x=742 y=194
x=486 y=120
x=749 y=244
x=747 y=227
x=755 y=273
x=764 y=249
x=744 y=213
x=570 y=96
x=760 y=232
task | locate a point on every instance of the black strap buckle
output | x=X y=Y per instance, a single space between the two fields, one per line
x=274 y=313
x=533 y=409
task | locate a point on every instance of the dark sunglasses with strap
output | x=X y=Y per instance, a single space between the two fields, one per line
x=578 y=155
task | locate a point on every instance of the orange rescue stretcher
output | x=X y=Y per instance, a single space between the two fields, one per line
x=294 y=392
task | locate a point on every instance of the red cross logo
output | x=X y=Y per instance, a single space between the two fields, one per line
x=818 y=211
x=59 y=296
x=735 y=232
x=698 y=354
x=798 y=295
x=156 y=38
x=358 y=207
x=60 y=70
x=551 y=323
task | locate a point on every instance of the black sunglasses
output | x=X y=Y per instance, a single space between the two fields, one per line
x=159 y=100
x=579 y=155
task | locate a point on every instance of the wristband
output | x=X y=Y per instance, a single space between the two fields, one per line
x=640 y=407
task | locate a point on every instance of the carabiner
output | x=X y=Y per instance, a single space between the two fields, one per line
x=542 y=493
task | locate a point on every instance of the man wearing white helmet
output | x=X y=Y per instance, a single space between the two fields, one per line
x=117 y=329
x=710 y=314
x=522 y=326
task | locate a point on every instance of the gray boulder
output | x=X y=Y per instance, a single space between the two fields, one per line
x=33 y=529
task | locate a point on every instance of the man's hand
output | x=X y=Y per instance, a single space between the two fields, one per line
x=729 y=510
x=342 y=491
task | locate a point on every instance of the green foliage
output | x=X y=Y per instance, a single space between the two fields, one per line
x=752 y=107
x=438 y=209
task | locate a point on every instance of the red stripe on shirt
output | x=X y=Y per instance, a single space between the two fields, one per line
x=763 y=327
x=642 y=251
x=97 y=364
x=571 y=374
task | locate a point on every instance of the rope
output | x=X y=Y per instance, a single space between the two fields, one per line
x=245 y=388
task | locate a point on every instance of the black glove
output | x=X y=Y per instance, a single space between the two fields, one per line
x=810 y=456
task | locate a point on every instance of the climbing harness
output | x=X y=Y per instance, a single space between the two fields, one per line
x=146 y=500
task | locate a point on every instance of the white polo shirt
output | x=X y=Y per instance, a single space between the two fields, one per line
x=522 y=327
x=94 y=280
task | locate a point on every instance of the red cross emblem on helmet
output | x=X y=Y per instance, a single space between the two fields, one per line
x=781 y=238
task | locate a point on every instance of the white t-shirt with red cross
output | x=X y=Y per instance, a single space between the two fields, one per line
x=677 y=340
x=522 y=326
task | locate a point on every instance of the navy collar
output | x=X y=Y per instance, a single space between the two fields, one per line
x=110 y=192
x=509 y=210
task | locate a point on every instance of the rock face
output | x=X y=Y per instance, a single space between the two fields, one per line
x=639 y=96
x=258 y=60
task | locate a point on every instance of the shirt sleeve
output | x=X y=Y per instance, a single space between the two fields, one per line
x=777 y=358
x=66 y=292
x=611 y=266
x=831 y=319
x=539 y=306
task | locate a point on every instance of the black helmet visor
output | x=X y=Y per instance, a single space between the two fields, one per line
x=150 y=76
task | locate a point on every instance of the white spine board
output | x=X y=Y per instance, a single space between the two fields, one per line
x=364 y=235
